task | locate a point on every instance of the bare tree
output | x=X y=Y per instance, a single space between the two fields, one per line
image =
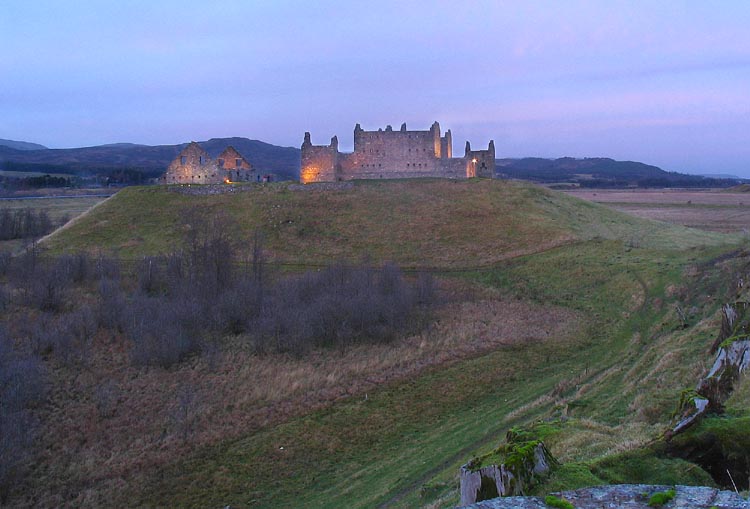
x=185 y=410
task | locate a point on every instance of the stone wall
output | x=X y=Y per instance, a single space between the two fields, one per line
x=319 y=162
x=386 y=153
x=481 y=163
x=195 y=166
x=192 y=166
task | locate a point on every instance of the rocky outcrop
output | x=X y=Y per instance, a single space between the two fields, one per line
x=510 y=470
x=627 y=496
x=732 y=359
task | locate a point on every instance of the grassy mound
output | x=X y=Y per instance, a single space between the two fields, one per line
x=440 y=223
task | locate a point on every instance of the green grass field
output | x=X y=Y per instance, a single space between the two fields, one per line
x=612 y=383
x=410 y=437
x=438 y=223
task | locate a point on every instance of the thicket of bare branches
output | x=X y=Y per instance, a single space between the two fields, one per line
x=25 y=223
x=22 y=387
x=165 y=309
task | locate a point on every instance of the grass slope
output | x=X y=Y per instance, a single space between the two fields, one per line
x=439 y=223
x=616 y=379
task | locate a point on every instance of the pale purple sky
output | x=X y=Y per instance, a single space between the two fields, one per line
x=663 y=82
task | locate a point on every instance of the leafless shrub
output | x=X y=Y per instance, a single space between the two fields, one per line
x=426 y=289
x=235 y=307
x=24 y=223
x=208 y=248
x=5 y=297
x=67 y=336
x=21 y=388
x=107 y=267
x=77 y=266
x=340 y=306
x=159 y=339
x=81 y=325
x=26 y=265
x=48 y=288
x=176 y=270
x=5 y=262
x=184 y=411
x=150 y=276
x=47 y=336
x=21 y=378
x=16 y=435
x=110 y=305
x=258 y=259
x=106 y=397
x=212 y=354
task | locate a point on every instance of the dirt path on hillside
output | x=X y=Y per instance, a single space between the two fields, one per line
x=74 y=220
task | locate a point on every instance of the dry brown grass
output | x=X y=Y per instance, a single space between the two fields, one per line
x=584 y=439
x=711 y=210
x=89 y=456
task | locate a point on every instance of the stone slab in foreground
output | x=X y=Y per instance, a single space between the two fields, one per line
x=626 y=496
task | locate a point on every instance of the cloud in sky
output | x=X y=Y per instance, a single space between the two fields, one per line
x=663 y=82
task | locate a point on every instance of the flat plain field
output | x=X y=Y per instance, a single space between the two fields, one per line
x=711 y=210
x=60 y=208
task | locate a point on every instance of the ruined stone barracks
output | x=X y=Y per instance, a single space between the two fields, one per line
x=195 y=166
x=394 y=154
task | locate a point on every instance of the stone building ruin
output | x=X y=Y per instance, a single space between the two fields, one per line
x=394 y=154
x=195 y=166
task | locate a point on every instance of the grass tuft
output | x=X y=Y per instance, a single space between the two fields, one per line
x=661 y=498
x=560 y=503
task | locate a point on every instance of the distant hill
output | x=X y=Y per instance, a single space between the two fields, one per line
x=132 y=163
x=151 y=161
x=602 y=172
x=21 y=145
x=720 y=176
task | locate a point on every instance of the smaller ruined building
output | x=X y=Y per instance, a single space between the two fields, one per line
x=394 y=154
x=195 y=166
